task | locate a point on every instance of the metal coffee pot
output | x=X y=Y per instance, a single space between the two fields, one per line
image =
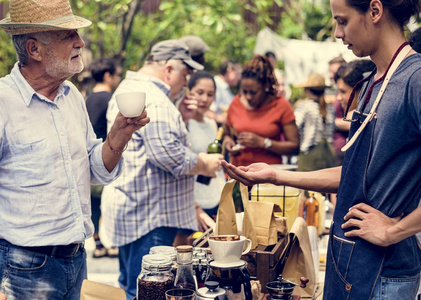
x=211 y=291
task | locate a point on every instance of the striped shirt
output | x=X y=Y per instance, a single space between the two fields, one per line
x=154 y=189
x=310 y=124
x=48 y=156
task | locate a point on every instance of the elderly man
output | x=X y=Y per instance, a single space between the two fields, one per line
x=154 y=197
x=49 y=154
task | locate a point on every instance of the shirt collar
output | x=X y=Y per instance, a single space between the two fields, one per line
x=165 y=88
x=26 y=90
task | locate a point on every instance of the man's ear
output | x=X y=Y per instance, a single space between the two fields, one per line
x=168 y=71
x=33 y=49
x=107 y=77
x=376 y=10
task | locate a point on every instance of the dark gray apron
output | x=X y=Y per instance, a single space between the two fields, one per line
x=353 y=265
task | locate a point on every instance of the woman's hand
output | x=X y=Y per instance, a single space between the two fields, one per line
x=188 y=107
x=203 y=219
x=371 y=224
x=250 y=140
x=252 y=174
x=232 y=148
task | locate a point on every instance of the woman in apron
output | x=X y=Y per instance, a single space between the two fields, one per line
x=372 y=253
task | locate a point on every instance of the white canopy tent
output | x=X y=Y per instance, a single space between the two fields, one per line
x=301 y=57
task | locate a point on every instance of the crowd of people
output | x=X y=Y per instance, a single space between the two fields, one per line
x=81 y=161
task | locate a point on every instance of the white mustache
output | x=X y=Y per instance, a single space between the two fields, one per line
x=76 y=53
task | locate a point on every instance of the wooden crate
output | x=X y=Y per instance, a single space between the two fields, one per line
x=263 y=262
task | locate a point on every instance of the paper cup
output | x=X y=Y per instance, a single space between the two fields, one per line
x=131 y=104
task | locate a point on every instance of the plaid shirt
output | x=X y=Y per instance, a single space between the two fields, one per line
x=154 y=189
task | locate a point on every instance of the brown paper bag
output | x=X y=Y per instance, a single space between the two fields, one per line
x=97 y=291
x=300 y=261
x=264 y=222
x=226 y=221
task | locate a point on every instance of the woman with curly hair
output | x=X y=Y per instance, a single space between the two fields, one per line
x=260 y=125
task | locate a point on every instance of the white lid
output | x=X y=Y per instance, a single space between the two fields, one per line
x=206 y=293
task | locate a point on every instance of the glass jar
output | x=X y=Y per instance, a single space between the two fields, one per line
x=185 y=277
x=155 y=278
x=166 y=251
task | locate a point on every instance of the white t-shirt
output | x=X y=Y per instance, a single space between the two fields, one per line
x=200 y=136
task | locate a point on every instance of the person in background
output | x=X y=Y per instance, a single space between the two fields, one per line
x=197 y=48
x=107 y=76
x=154 y=196
x=49 y=155
x=330 y=92
x=258 y=118
x=347 y=76
x=416 y=39
x=202 y=132
x=229 y=76
x=377 y=213
x=282 y=90
x=315 y=122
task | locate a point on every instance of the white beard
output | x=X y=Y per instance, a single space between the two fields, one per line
x=59 y=68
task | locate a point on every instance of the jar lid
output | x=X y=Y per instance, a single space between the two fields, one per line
x=184 y=248
x=159 y=261
x=164 y=250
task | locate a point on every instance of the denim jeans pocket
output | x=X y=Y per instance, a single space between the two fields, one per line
x=342 y=251
x=396 y=288
x=19 y=259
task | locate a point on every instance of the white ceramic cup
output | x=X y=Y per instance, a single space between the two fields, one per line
x=131 y=104
x=229 y=251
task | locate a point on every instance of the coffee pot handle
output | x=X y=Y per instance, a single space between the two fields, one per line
x=246 y=283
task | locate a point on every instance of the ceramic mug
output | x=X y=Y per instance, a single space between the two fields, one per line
x=131 y=104
x=228 y=251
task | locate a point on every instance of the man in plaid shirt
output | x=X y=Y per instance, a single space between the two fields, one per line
x=153 y=197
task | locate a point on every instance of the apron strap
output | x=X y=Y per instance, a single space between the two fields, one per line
x=401 y=56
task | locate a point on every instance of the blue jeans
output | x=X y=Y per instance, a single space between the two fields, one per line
x=26 y=274
x=130 y=256
x=396 y=288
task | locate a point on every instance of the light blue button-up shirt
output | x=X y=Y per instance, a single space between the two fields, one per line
x=48 y=156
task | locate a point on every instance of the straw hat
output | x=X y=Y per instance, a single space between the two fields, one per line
x=314 y=81
x=27 y=16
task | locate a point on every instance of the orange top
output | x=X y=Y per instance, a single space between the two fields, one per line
x=266 y=121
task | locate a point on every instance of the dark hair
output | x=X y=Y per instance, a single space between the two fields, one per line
x=270 y=54
x=353 y=71
x=225 y=65
x=416 y=40
x=260 y=69
x=401 y=10
x=102 y=66
x=198 y=76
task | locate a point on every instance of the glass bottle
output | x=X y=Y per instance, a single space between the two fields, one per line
x=214 y=147
x=155 y=277
x=200 y=265
x=185 y=277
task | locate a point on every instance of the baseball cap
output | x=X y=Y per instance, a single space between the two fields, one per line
x=196 y=45
x=173 y=49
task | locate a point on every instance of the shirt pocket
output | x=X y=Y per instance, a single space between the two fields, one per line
x=33 y=163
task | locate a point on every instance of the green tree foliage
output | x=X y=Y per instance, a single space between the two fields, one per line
x=121 y=29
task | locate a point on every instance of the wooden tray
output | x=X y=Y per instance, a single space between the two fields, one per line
x=263 y=262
